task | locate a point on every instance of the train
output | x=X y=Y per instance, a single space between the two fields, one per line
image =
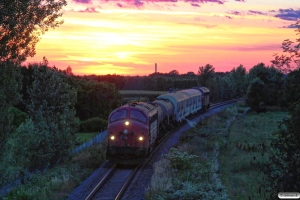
x=135 y=129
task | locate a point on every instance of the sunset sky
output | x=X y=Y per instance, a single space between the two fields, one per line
x=129 y=36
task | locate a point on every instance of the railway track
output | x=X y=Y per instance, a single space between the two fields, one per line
x=115 y=182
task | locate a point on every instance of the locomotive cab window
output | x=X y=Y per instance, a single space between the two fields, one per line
x=135 y=114
x=120 y=114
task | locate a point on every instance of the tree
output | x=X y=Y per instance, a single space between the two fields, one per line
x=205 y=73
x=238 y=75
x=174 y=73
x=95 y=99
x=283 y=62
x=21 y=24
x=51 y=108
x=68 y=71
x=291 y=89
x=282 y=172
x=255 y=93
x=272 y=81
x=10 y=85
x=190 y=74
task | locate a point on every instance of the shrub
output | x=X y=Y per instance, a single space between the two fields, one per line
x=18 y=116
x=51 y=108
x=181 y=160
x=93 y=124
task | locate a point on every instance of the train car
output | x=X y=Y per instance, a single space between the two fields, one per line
x=168 y=114
x=194 y=102
x=205 y=97
x=179 y=100
x=132 y=132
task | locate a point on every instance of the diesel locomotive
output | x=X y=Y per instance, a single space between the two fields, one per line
x=134 y=129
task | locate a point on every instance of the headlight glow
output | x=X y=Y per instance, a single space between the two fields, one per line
x=141 y=138
x=112 y=137
x=127 y=123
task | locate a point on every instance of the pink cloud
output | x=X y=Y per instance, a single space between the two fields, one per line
x=82 y=1
x=141 y=3
x=89 y=10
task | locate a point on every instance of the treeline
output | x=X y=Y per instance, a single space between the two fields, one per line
x=154 y=82
x=159 y=82
x=41 y=110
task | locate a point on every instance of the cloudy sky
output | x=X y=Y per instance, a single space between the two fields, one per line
x=129 y=36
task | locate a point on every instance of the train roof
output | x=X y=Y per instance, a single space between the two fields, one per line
x=178 y=95
x=192 y=92
x=205 y=90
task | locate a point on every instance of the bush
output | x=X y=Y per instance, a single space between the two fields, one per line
x=181 y=160
x=93 y=124
x=51 y=108
x=18 y=116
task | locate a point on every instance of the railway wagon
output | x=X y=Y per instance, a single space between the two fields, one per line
x=134 y=129
x=132 y=132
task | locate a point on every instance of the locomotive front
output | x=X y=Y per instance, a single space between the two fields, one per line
x=128 y=135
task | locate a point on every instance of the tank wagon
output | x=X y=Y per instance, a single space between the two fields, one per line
x=134 y=129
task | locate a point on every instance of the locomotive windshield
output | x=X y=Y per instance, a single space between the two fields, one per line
x=135 y=114
x=120 y=114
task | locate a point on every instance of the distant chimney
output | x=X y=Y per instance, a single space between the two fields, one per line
x=155 y=68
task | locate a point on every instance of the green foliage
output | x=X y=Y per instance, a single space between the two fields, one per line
x=56 y=183
x=18 y=116
x=291 y=89
x=18 y=158
x=265 y=86
x=282 y=170
x=94 y=99
x=10 y=85
x=51 y=108
x=238 y=76
x=91 y=158
x=93 y=124
x=255 y=93
x=22 y=23
x=180 y=160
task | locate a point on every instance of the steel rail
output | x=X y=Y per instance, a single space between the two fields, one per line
x=101 y=183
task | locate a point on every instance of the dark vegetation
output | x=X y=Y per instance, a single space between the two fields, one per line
x=42 y=107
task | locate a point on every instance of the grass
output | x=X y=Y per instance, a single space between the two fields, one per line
x=214 y=160
x=57 y=183
x=247 y=144
x=85 y=137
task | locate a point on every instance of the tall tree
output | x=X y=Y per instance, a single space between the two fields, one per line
x=174 y=73
x=287 y=62
x=238 y=75
x=51 y=108
x=205 y=73
x=282 y=172
x=10 y=85
x=21 y=24
x=272 y=81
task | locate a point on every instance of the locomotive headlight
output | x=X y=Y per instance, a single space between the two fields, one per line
x=141 y=138
x=112 y=137
x=127 y=123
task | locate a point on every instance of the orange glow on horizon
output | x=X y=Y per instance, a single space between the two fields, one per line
x=129 y=41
